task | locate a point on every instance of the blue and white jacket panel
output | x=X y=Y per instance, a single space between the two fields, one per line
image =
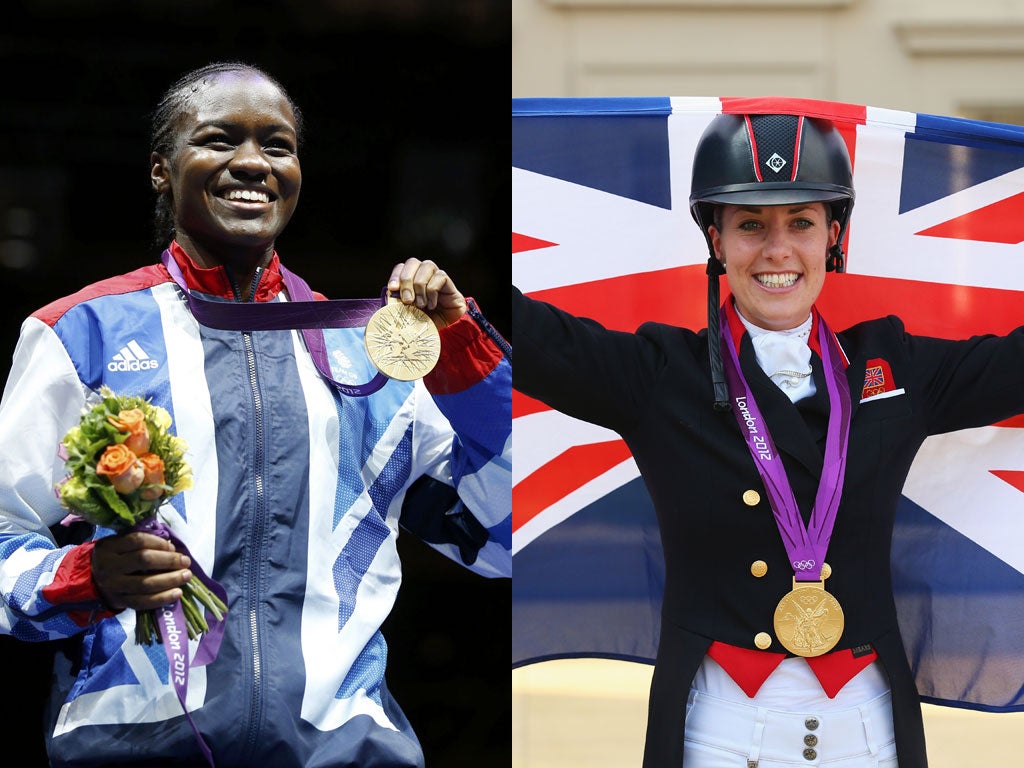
x=298 y=496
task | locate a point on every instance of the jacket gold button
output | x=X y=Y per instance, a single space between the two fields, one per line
x=762 y=640
x=759 y=568
x=811 y=740
x=810 y=754
x=751 y=498
x=811 y=723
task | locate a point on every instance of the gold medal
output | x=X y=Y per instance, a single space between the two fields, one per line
x=402 y=341
x=809 y=621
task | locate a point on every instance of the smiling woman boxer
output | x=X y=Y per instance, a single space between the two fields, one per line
x=301 y=481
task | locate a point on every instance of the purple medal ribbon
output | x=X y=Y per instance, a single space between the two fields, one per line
x=174 y=632
x=302 y=313
x=806 y=546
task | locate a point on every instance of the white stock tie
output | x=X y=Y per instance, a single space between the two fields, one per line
x=786 y=358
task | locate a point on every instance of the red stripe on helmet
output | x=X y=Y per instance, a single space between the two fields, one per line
x=753 y=148
x=796 y=148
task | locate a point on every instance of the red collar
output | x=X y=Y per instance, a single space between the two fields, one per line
x=737 y=329
x=215 y=281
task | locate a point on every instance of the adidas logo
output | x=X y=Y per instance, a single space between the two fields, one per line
x=132 y=357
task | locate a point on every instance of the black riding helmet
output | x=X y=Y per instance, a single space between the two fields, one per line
x=766 y=160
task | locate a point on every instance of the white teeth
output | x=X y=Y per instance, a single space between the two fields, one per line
x=773 y=280
x=245 y=194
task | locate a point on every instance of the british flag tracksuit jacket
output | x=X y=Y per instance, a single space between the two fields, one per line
x=298 y=496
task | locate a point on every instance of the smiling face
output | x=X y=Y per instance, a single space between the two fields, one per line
x=233 y=178
x=774 y=258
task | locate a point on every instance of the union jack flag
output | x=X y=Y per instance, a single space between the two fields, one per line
x=600 y=208
x=878 y=380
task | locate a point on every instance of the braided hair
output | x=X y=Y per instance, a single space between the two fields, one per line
x=166 y=120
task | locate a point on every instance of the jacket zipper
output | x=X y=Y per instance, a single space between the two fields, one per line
x=254 y=561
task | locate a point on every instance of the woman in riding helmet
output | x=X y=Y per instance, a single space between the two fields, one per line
x=774 y=449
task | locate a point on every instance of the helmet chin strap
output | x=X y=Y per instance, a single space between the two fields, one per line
x=714 y=269
x=835 y=261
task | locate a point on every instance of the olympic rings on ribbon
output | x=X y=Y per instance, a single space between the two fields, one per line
x=803 y=565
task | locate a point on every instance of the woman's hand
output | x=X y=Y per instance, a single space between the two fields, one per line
x=428 y=287
x=138 y=570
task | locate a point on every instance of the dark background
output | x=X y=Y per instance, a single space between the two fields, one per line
x=405 y=155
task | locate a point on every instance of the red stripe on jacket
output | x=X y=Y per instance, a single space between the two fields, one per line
x=467 y=357
x=72 y=583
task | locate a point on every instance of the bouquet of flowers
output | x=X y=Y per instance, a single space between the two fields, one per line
x=122 y=465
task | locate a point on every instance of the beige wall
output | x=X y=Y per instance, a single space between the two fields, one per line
x=962 y=57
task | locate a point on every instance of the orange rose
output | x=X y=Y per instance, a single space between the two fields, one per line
x=153 y=467
x=119 y=465
x=132 y=421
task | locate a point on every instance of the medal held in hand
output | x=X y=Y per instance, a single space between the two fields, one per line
x=808 y=620
x=402 y=341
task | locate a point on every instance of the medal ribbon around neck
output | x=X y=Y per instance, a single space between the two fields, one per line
x=303 y=313
x=805 y=545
